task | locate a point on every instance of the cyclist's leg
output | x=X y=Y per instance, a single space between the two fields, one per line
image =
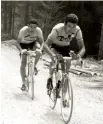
x=51 y=65
x=56 y=49
x=49 y=80
x=36 y=47
x=23 y=65
x=38 y=52
x=22 y=68
x=65 y=52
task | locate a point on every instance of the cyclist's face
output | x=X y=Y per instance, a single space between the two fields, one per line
x=32 y=26
x=69 y=26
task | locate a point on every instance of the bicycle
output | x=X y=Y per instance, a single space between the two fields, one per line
x=29 y=78
x=61 y=84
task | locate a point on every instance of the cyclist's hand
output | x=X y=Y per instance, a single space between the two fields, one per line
x=23 y=51
x=79 y=57
x=79 y=62
x=73 y=55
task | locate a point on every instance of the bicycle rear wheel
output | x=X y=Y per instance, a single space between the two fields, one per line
x=52 y=93
x=66 y=99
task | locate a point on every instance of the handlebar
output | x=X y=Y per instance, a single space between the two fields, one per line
x=67 y=58
x=29 y=52
x=73 y=56
x=60 y=57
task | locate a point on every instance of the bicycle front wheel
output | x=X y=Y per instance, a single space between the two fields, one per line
x=27 y=79
x=66 y=99
x=32 y=87
x=31 y=80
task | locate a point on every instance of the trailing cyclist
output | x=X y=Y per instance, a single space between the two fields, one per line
x=30 y=37
x=60 y=38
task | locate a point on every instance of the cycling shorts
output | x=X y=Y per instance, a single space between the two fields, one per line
x=27 y=46
x=64 y=51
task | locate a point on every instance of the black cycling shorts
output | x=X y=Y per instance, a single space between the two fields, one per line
x=64 y=51
x=27 y=46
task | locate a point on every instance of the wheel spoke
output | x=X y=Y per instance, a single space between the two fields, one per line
x=67 y=100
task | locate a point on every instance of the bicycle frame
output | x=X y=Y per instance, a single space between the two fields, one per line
x=66 y=60
x=66 y=87
x=63 y=86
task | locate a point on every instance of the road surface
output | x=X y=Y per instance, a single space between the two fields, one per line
x=18 y=108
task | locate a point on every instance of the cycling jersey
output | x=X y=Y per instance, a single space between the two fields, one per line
x=59 y=33
x=28 y=36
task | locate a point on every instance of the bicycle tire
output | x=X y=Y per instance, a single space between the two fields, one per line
x=32 y=87
x=32 y=79
x=69 y=107
x=52 y=95
x=27 y=78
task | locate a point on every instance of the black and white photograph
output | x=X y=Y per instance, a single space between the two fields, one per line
x=51 y=62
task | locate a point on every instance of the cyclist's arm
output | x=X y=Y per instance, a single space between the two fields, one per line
x=40 y=39
x=19 y=39
x=41 y=42
x=47 y=49
x=50 y=40
x=80 y=43
x=81 y=47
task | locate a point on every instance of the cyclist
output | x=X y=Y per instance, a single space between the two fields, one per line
x=30 y=37
x=59 y=39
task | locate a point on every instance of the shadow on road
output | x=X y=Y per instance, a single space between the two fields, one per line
x=54 y=116
x=24 y=96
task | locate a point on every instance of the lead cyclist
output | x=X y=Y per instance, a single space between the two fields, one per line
x=30 y=37
x=59 y=41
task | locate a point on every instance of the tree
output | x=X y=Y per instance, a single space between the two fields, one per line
x=10 y=18
x=26 y=12
x=4 y=20
x=100 y=56
x=48 y=14
x=15 y=14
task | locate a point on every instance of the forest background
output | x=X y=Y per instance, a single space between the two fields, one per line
x=16 y=14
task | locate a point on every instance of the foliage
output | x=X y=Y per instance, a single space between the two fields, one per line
x=15 y=14
x=5 y=37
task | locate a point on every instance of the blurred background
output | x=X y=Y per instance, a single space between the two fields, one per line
x=16 y=14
